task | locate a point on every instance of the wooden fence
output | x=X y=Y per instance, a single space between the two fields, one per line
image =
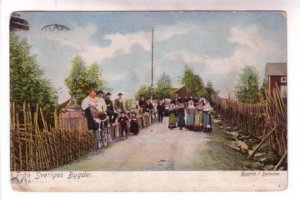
x=266 y=120
x=35 y=148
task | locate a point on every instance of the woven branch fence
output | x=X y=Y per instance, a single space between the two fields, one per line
x=266 y=120
x=36 y=148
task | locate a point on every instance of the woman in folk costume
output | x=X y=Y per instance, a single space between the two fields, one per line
x=172 y=116
x=190 y=120
x=206 y=120
x=180 y=113
x=199 y=115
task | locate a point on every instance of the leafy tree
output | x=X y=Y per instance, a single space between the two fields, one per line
x=27 y=83
x=81 y=79
x=193 y=82
x=143 y=91
x=163 y=87
x=210 y=91
x=263 y=90
x=128 y=104
x=247 y=88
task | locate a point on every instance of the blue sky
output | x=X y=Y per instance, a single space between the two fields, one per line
x=217 y=45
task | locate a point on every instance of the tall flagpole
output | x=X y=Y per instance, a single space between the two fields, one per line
x=152 y=86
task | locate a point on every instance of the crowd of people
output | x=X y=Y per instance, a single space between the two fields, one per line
x=98 y=106
x=189 y=113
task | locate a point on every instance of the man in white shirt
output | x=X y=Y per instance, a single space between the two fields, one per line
x=93 y=103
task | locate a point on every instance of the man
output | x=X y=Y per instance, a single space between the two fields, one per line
x=160 y=110
x=142 y=104
x=119 y=105
x=110 y=108
x=149 y=106
x=149 y=109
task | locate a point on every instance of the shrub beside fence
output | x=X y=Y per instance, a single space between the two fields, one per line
x=35 y=148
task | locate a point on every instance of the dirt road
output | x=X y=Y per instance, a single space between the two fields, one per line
x=158 y=148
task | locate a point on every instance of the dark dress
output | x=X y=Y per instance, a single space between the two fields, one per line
x=134 y=127
x=92 y=125
x=180 y=113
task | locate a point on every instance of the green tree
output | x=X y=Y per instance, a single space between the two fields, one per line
x=81 y=79
x=27 y=83
x=210 y=91
x=143 y=91
x=263 y=90
x=193 y=82
x=163 y=87
x=247 y=89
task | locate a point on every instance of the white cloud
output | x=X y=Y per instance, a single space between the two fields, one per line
x=114 y=77
x=248 y=36
x=253 y=50
x=165 y=32
x=186 y=57
x=80 y=39
x=118 y=41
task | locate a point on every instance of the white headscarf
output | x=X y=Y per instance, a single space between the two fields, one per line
x=172 y=106
x=202 y=98
x=191 y=104
x=207 y=107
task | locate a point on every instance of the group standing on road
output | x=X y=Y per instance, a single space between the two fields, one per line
x=190 y=113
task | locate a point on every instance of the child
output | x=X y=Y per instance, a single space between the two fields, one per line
x=134 y=128
x=123 y=120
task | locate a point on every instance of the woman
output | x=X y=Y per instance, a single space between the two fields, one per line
x=199 y=115
x=190 y=120
x=172 y=116
x=180 y=113
x=206 y=120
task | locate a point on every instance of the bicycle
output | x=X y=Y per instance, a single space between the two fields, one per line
x=102 y=133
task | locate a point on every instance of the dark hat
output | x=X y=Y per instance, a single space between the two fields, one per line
x=120 y=94
x=108 y=93
x=123 y=112
x=92 y=90
x=100 y=92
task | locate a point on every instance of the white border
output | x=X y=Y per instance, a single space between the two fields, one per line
x=290 y=6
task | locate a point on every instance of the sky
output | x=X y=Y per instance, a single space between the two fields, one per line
x=217 y=45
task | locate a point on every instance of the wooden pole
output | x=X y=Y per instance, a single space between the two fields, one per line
x=262 y=141
x=152 y=48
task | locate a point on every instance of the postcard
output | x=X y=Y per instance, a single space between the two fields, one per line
x=148 y=101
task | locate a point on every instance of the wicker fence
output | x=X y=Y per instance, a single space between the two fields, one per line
x=266 y=120
x=35 y=148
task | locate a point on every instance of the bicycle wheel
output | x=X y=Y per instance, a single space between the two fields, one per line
x=98 y=139
x=104 y=137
